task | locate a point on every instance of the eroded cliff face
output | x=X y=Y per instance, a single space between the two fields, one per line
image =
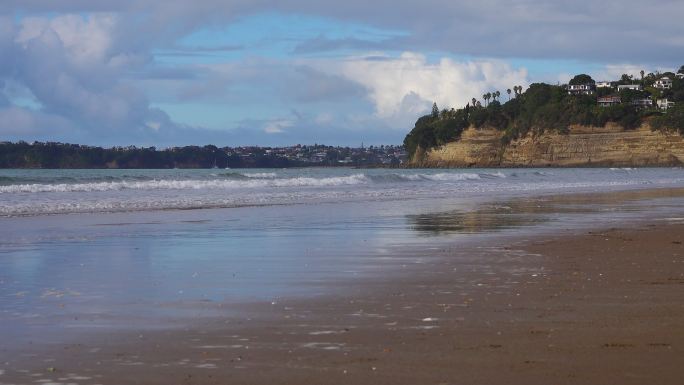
x=583 y=146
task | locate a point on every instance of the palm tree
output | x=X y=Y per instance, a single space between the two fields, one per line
x=474 y=102
x=519 y=90
x=508 y=91
x=485 y=97
x=497 y=93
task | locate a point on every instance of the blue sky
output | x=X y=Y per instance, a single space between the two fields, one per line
x=238 y=72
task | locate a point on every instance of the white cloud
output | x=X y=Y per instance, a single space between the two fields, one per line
x=615 y=71
x=277 y=126
x=74 y=70
x=324 y=118
x=405 y=86
x=85 y=39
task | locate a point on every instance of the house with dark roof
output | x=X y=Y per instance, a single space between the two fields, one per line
x=607 y=101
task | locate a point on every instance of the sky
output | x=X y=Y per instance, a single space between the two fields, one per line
x=276 y=73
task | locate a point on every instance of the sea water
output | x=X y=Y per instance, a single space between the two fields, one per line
x=84 y=250
x=40 y=192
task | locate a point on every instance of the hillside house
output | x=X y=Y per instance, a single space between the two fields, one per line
x=581 y=89
x=608 y=101
x=664 y=104
x=604 y=85
x=664 y=83
x=642 y=103
x=680 y=76
x=635 y=87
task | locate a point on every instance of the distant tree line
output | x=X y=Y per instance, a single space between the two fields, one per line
x=550 y=107
x=62 y=155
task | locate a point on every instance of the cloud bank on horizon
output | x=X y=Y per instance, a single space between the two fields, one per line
x=152 y=72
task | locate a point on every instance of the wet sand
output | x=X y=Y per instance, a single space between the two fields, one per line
x=577 y=307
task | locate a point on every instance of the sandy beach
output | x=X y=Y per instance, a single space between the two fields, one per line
x=597 y=306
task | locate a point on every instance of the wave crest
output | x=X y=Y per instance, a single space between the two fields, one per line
x=228 y=180
x=170 y=184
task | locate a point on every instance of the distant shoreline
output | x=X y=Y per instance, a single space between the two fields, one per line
x=38 y=155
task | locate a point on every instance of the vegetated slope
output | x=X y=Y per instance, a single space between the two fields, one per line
x=541 y=116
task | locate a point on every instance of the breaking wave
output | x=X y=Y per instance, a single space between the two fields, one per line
x=38 y=192
x=188 y=184
x=231 y=180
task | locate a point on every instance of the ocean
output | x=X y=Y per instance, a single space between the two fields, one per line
x=91 y=250
x=42 y=192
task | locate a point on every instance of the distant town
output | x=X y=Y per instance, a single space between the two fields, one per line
x=321 y=155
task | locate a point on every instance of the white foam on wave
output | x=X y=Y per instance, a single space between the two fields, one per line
x=253 y=180
x=186 y=184
x=220 y=191
x=622 y=169
x=451 y=177
x=438 y=177
x=260 y=175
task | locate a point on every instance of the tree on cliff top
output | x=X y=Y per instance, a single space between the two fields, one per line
x=581 y=79
x=544 y=107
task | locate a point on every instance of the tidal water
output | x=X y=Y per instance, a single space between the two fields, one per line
x=39 y=192
x=88 y=250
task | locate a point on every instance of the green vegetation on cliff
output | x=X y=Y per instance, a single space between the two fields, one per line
x=549 y=107
x=673 y=120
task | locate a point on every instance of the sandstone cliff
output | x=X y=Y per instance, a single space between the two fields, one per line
x=582 y=146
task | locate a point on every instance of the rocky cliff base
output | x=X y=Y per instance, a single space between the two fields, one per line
x=609 y=146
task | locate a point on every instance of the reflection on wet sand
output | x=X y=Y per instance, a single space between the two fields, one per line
x=526 y=212
x=468 y=222
x=494 y=217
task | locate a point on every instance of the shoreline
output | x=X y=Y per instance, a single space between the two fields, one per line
x=564 y=307
x=382 y=166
